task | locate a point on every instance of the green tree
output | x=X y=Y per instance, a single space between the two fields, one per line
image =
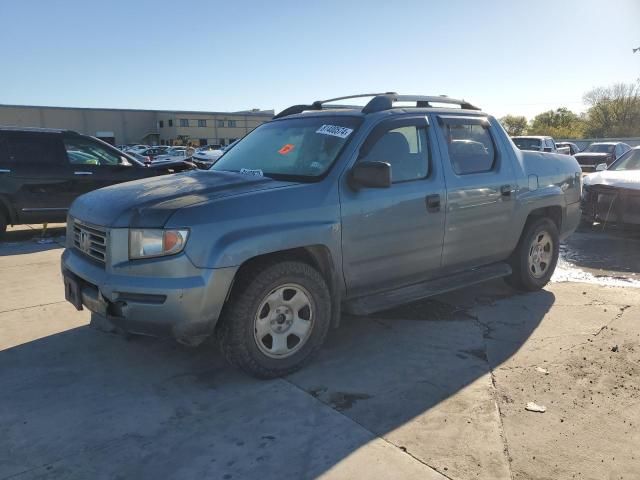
x=560 y=123
x=613 y=111
x=514 y=124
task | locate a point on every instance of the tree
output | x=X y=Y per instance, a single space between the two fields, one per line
x=614 y=111
x=560 y=123
x=514 y=124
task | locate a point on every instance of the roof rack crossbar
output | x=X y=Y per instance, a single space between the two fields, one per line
x=385 y=102
x=317 y=105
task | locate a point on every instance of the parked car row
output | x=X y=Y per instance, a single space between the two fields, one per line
x=597 y=153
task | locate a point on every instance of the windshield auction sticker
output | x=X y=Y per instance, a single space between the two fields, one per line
x=249 y=171
x=335 y=131
x=286 y=149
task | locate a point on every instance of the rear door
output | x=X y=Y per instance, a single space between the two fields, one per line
x=393 y=236
x=35 y=177
x=481 y=187
x=95 y=165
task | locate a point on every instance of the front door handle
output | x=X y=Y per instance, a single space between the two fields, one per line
x=433 y=203
x=506 y=190
x=83 y=173
x=5 y=170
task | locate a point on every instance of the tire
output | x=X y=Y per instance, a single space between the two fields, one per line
x=539 y=241
x=270 y=307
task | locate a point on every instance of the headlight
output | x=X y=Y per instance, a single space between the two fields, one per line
x=145 y=243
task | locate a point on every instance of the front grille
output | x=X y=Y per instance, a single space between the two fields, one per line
x=90 y=240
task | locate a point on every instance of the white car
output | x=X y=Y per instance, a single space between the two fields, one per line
x=205 y=158
x=174 y=153
x=137 y=148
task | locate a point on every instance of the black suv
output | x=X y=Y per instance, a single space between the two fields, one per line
x=43 y=170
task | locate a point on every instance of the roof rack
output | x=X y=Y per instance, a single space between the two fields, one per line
x=380 y=102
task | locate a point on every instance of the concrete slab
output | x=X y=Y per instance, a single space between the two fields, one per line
x=435 y=390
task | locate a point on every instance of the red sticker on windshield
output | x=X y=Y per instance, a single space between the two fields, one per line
x=286 y=149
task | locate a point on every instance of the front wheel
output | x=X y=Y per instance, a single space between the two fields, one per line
x=535 y=258
x=277 y=317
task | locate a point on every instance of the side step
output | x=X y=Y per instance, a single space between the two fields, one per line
x=393 y=298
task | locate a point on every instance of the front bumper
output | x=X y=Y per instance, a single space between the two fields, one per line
x=186 y=307
x=614 y=205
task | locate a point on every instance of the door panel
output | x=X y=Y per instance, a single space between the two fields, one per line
x=390 y=239
x=481 y=187
x=38 y=180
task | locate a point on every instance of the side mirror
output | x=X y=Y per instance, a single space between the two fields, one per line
x=600 y=167
x=547 y=149
x=370 y=174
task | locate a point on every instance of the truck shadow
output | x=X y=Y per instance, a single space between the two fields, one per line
x=30 y=240
x=82 y=403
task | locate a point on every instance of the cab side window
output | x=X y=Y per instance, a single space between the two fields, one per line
x=406 y=149
x=471 y=148
x=82 y=151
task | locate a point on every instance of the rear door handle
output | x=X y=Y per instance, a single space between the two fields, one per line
x=506 y=190
x=83 y=173
x=433 y=203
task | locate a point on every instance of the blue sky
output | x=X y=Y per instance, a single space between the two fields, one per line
x=506 y=56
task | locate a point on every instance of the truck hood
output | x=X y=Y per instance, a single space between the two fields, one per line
x=620 y=179
x=148 y=203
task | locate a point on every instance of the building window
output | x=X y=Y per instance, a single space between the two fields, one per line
x=170 y=123
x=202 y=123
x=231 y=123
x=203 y=142
x=222 y=142
x=221 y=123
x=161 y=124
x=184 y=122
x=162 y=141
x=231 y=140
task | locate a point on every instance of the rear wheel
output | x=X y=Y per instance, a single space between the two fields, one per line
x=535 y=258
x=276 y=319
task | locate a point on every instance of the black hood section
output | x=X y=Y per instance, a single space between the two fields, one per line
x=149 y=203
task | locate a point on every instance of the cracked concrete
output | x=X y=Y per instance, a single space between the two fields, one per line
x=432 y=390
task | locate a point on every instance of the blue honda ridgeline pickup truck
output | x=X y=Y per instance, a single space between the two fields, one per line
x=322 y=210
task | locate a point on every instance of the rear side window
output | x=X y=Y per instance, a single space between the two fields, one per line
x=82 y=151
x=406 y=150
x=34 y=149
x=471 y=148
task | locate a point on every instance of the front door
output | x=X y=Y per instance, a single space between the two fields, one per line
x=94 y=165
x=390 y=237
x=35 y=178
x=481 y=190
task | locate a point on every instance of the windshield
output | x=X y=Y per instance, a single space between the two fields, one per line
x=297 y=147
x=628 y=161
x=600 y=148
x=527 y=143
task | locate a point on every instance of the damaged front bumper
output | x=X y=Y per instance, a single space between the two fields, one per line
x=611 y=205
x=186 y=307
